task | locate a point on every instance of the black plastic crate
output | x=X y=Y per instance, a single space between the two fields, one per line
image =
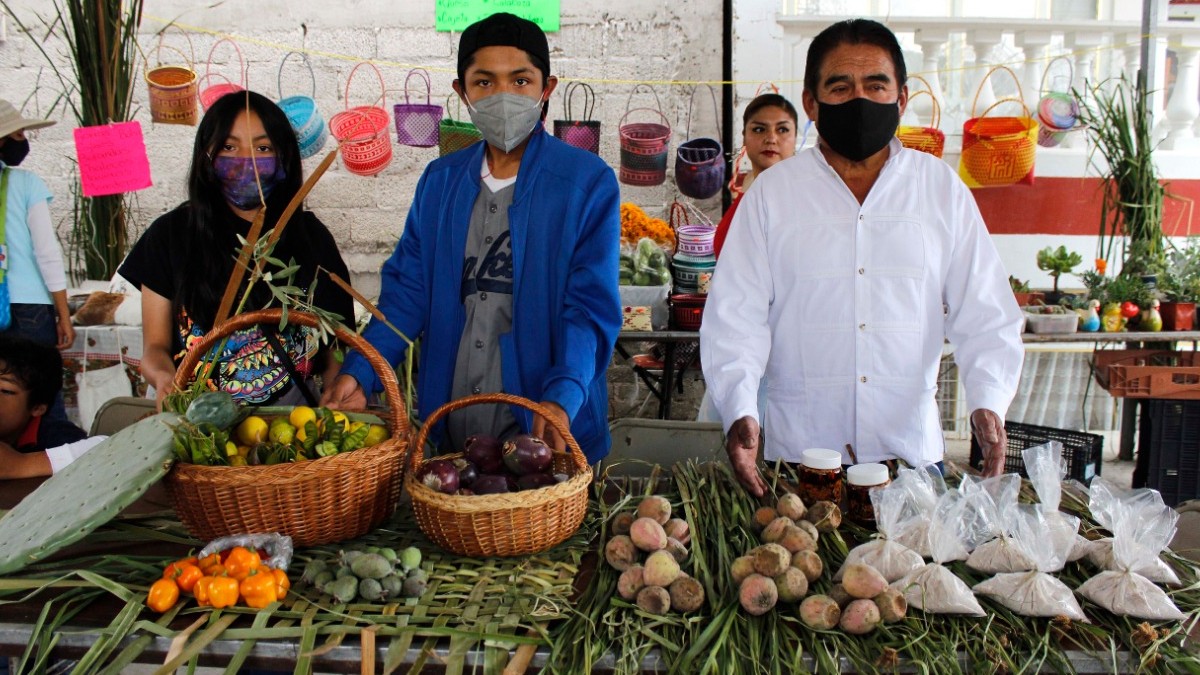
x=1173 y=463
x=1082 y=451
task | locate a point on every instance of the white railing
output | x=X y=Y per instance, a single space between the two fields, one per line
x=955 y=54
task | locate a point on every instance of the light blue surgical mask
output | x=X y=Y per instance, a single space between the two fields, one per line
x=505 y=120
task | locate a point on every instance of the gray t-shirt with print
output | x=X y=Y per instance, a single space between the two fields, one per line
x=487 y=286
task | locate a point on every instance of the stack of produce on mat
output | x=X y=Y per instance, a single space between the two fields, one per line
x=649 y=548
x=216 y=431
x=368 y=574
x=491 y=466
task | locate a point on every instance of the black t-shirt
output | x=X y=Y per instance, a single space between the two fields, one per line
x=162 y=251
x=49 y=433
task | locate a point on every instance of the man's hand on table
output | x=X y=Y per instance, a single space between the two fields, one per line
x=992 y=439
x=742 y=445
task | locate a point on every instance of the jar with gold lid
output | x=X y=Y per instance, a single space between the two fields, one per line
x=861 y=478
x=820 y=476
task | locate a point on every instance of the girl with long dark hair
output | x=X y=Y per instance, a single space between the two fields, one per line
x=245 y=154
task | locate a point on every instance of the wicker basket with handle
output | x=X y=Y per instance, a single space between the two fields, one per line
x=314 y=502
x=508 y=524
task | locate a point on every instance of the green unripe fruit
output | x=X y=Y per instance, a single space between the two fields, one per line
x=371 y=566
x=370 y=590
x=343 y=590
x=410 y=558
x=393 y=585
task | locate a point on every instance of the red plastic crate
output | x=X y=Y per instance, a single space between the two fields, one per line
x=687 y=310
x=1148 y=373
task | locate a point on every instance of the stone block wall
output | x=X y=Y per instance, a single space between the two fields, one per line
x=610 y=44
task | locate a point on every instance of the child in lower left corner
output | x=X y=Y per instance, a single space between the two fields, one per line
x=32 y=444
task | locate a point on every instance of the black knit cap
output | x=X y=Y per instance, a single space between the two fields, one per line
x=504 y=30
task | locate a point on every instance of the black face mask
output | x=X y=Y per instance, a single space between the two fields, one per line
x=13 y=151
x=857 y=128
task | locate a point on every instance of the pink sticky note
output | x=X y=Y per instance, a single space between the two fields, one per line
x=112 y=159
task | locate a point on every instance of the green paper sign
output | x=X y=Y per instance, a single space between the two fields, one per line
x=456 y=15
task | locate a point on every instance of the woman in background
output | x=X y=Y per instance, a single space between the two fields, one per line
x=184 y=260
x=769 y=136
x=37 y=279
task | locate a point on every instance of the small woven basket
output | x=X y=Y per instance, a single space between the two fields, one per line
x=454 y=135
x=510 y=524
x=174 y=89
x=314 y=502
x=302 y=112
x=362 y=131
x=211 y=93
x=930 y=139
x=417 y=123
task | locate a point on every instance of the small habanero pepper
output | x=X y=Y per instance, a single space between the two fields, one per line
x=162 y=595
x=241 y=562
x=258 y=589
x=223 y=592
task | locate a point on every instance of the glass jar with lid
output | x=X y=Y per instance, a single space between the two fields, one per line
x=861 y=478
x=821 y=476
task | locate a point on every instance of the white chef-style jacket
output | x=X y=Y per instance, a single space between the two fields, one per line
x=845 y=308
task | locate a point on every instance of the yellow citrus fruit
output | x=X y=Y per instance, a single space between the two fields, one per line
x=231 y=448
x=252 y=430
x=300 y=415
x=340 y=418
x=237 y=460
x=375 y=435
x=282 y=433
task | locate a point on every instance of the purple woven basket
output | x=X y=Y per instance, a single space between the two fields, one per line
x=700 y=162
x=585 y=133
x=417 y=123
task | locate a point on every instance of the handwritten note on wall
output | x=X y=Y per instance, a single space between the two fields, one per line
x=456 y=15
x=112 y=159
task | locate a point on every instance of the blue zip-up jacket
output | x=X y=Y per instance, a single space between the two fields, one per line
x=565 y=224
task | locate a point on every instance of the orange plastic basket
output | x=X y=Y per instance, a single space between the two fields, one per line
x=509 y=524
x=928 y=139
x=999 y=150
x=314 y=502
x=1148 y=373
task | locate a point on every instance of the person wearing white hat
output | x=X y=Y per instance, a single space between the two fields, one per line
x=36 y=277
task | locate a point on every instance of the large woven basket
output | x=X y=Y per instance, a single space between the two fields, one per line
x=510 y=524
x=314 y=502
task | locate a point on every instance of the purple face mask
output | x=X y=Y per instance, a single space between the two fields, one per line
x=238 y=182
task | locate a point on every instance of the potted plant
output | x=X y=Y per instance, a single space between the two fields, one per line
x=1022 y=293
x=1124 y=294
x=1057 y=262
x=1179 y=282
x=1119 y=123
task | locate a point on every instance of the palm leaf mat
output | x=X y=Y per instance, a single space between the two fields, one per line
x=480 y=608
x=476 y=611
x=609 y=633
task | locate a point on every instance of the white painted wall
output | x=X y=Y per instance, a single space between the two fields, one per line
x=611 y=43
x=761 y=50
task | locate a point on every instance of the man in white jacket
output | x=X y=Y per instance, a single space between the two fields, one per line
x=845 y=270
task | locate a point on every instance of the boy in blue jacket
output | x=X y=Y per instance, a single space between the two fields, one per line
x=507 y=266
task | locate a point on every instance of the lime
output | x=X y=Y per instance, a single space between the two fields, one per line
x=282 y=433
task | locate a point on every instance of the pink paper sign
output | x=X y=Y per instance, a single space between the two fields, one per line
x=112 y=159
